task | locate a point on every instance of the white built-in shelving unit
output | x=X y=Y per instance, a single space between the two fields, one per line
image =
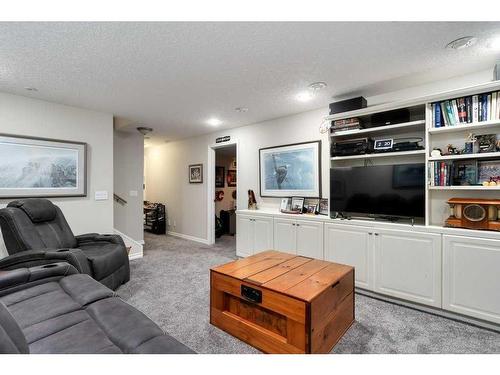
x=420 y=125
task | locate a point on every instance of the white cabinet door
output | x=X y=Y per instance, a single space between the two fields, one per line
x=309 y=237
x=351 y=245
x=284 y=235
x=262 y=234
x=408 y=265
x=244 y=236
x=471 y=277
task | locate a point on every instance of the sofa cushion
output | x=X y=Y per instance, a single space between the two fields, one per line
x=79 y=315
x=74 y=332
x=12 y=339
x=105 y=258
x=37 y=209
x=34 y=224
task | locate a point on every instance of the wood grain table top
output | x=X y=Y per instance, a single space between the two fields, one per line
x=300 y=277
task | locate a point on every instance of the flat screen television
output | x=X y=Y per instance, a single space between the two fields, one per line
x=391 y=191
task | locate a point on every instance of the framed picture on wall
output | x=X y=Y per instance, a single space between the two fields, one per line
x=196 y=173
x=231 y=178
x=42 y=167
x=290 y=170
x=219 y=177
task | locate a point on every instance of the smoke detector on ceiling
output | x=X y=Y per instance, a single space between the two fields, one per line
x=144 y=130
x=461 y=43
x=316 y=86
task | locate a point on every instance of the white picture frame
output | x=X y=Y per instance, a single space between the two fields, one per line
x=291 y=170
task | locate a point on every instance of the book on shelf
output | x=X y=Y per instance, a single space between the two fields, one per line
x=466 y=110
x=475 y=109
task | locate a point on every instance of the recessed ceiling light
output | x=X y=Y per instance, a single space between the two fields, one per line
x=214 y=121
x=304 y=96
x=31 y=89
x=463 y=42
x=241 y=109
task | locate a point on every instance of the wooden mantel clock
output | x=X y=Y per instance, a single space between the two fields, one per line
x=474 y=213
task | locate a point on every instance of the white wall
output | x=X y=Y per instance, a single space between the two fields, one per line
x=24 y=116
x=167 y=165
x=128 y=150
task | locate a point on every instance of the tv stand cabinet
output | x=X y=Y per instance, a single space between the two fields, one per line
x=416 y=264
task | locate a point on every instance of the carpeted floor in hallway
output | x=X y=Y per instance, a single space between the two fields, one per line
x=170 y=284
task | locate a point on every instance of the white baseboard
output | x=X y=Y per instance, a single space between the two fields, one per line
x=188 y=237
x=431 y=310
x=136 y=250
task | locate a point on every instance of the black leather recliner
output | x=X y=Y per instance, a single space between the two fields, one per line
x=35 y=232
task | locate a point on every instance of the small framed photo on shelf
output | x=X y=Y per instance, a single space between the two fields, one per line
x=311 y=209
x=311 y=204
x=297 y=204
x=465 y=173
x=196 y=173
x=285 y=204
x=323 y=207
x=488 y=171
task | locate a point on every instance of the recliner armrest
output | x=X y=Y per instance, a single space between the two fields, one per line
x=19 y=276
x=32 y=258
x=95 y=237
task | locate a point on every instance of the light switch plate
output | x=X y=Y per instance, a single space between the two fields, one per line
x=101 y=195
x=132 y=193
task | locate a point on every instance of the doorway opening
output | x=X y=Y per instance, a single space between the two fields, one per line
x=223 y=193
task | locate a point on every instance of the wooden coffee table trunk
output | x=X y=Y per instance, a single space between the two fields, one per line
x=283 y=303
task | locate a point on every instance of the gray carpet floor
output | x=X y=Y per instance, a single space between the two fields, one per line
x=170 y=284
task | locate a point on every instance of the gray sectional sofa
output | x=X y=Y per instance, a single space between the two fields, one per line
x=53 y=309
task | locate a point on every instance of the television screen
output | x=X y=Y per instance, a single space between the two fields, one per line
x=384 y=190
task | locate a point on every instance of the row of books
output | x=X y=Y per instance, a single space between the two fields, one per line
x=466 y=110
x=346 y=124
x=441 y=173
x=462 y=172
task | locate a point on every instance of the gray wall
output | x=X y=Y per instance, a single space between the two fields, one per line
x=128 y=155
x=25 y=116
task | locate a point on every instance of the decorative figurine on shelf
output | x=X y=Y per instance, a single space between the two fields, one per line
x=452 y=150
x=470 y=142
x=436 y=153
x=494 y=181
x=252 y=202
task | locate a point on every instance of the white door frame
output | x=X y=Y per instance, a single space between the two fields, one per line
x=211 y=185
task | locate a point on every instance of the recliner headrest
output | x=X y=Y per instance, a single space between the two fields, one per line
x=37 y=209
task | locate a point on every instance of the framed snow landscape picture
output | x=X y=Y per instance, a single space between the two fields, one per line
x=39 y=167
x=291 y=170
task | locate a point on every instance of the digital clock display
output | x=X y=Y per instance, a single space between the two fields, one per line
x=383 y=144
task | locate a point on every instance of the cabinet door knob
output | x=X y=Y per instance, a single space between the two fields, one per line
x=370 y=233
x=376 y=234
x=298 y=225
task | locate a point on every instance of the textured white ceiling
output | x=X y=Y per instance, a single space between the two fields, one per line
x=174 y=76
